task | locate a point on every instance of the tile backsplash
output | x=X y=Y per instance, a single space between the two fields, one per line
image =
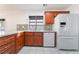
x=22 y=27
x=25 y=27
x=49 y=27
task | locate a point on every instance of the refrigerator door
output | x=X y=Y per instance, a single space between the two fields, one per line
x=68 y=43
x=68 y=25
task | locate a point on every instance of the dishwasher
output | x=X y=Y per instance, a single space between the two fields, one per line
x=49 y=39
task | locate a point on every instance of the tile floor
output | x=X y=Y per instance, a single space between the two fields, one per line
x=43 y=50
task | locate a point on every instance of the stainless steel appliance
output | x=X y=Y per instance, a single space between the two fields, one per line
x=67 y=28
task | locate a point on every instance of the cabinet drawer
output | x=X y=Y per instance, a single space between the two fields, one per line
x=29 y=33
x=38 y=37
x=38 y=34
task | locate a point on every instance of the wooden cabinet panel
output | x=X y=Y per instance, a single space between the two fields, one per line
x=29 y=38
x=1 y=42
x=29 y=41
x=38 y=34
x=6 y=40
x=12 y=43
x=6 y=43
x=5 y=47
x=35 y=39
x=10 y=51
x=28 y=33
x=19 y=41
x=49 y=18
x=38 y=41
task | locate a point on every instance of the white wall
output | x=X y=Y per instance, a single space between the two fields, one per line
x=14 y=17
x=74 y=8
x=11 y=19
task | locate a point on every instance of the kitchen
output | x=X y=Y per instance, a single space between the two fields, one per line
x=28 y=27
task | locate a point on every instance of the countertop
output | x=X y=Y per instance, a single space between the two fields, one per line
x=40 y=31
x=27 y=31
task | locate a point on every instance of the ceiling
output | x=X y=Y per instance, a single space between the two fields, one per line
x=35 y=7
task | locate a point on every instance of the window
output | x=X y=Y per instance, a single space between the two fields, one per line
x=36 y=23
x=2 y=29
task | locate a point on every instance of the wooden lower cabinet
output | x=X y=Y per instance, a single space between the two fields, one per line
x=7 y=44
x=10 y=50
x=13 y=43
x=29 y=41
x=38 y=41
x=19 y=41
x=38 y=38
x=33 y=38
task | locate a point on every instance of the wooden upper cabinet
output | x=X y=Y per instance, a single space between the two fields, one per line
x=50 y=16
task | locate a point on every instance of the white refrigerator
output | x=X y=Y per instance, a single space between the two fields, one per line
x=67 y=28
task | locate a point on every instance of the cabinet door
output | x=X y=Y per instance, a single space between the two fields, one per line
x=29 y=41
x=49 y=18
x=22 y=40
x=19 y=41
x=17 y=45
x=29 y=38
x=34 y=39
x=38 y=41
x=67 y=43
